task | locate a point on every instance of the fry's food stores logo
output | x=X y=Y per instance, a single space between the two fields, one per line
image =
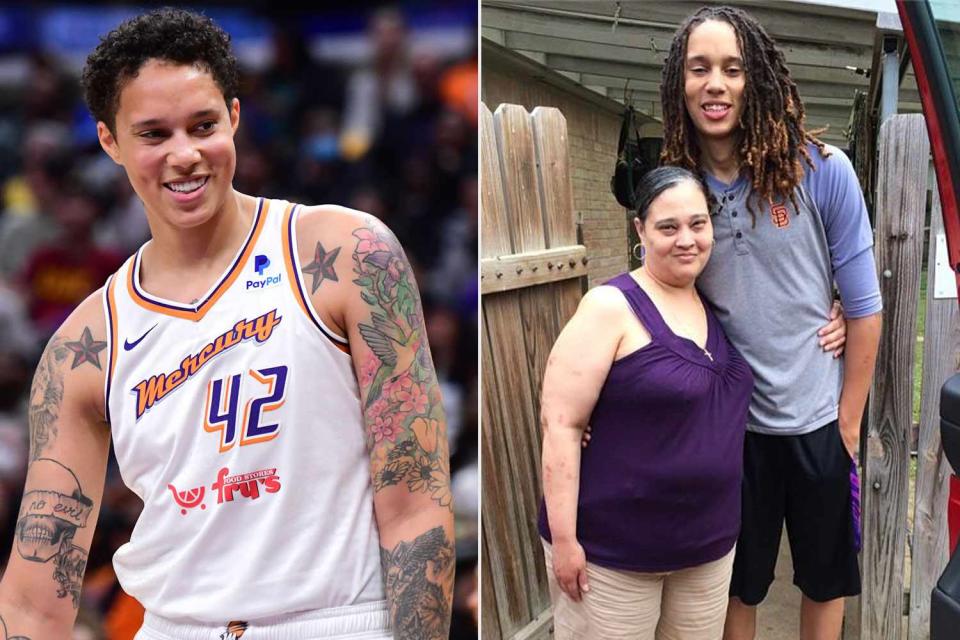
x=228 y=488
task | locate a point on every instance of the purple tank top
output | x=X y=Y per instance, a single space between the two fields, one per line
x=660 y=481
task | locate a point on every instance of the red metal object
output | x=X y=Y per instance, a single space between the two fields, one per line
x=948 y=191
x=953 y=512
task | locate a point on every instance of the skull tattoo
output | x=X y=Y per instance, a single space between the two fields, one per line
x=49 y=519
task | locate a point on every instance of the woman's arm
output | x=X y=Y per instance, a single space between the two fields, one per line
x=575 y=373
x=69 y=441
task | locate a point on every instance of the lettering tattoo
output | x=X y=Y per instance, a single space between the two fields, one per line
x=4 y=635
x=86 y=349
x=322 y=266
x=46 y=395
x=403 y=410
x=47 y=523
x=419 y=581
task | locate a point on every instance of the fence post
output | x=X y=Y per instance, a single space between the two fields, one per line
x=903 y=164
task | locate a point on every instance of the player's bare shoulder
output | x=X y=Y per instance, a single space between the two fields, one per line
x=336 y=247
x=71 y=371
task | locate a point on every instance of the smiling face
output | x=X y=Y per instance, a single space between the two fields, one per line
x=714 y=80
x=174 y=137
x=677 y=234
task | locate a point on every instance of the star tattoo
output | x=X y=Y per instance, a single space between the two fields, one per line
x=86 y=350
x=322 y=266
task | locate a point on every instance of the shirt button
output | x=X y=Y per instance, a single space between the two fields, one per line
x=739 y=235
x=734 y=214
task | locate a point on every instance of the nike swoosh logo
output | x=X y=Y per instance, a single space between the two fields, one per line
x=127 y=345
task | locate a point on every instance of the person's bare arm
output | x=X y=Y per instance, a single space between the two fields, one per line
x=69 y=441
x=863 y=339
x=359 y=268
x=575 y=373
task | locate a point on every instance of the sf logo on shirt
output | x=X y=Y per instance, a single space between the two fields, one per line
x=779 y=215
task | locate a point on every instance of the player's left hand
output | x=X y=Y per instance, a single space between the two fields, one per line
x=833 y=335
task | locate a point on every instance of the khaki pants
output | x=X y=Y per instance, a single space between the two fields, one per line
x=688 y=604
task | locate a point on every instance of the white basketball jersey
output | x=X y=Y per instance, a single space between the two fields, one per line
x=237 y=421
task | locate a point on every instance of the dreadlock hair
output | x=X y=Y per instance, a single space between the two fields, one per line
x=773 y=139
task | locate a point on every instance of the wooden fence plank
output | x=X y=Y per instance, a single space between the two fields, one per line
x=541 y=628
x=489 y=621
x=941 y=348
x=504 y=515
x=495 y=234
x=519 y=172
x=525 y=197
x=504 y=523
x=520 y=406
x=904 y=157
x=553 y=164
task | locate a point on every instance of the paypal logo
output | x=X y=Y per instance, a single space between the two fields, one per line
x=260 y=264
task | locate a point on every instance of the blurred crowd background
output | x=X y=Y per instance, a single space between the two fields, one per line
x=373 y=107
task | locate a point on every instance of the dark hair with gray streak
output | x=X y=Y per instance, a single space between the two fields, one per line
x=655 y=182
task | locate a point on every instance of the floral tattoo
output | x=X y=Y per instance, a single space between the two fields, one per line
x=403 y=409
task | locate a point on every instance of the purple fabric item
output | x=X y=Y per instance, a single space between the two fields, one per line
x=660 y=481
x=855 y=504
x=858 y=285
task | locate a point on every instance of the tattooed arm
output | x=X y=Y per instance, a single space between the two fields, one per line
x=362 y=283
x=69 y=440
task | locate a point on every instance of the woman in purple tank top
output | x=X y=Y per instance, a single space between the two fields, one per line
x=639 y=528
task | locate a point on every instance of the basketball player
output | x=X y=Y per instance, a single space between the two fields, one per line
x=263 y=371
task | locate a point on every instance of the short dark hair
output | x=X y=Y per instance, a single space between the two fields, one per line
x=167 y=34
x=655 y=182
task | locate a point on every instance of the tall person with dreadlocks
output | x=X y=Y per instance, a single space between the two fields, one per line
x=789 y=220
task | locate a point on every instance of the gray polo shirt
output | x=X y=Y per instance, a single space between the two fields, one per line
x=771 y=284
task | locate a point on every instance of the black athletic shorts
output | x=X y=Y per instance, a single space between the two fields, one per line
x=809 y=480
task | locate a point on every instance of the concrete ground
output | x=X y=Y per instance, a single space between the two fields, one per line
x=779 y=615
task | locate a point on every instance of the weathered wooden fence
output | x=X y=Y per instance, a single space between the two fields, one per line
x=903 y=173
x=531 y=271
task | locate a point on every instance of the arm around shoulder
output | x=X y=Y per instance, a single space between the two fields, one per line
x=69 y=441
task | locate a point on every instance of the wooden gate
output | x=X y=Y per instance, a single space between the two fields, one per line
x=532 y=274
